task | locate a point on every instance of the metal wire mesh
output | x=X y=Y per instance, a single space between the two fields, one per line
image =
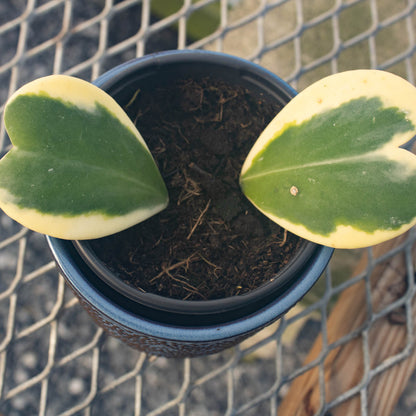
x=53 y=359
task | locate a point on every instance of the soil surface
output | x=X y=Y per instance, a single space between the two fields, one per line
x=210 y=242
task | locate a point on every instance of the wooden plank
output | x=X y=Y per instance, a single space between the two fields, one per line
x=344 y=365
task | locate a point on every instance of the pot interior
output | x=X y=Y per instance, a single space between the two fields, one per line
x=147 y=75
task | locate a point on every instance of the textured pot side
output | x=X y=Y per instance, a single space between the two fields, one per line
x=175 y=328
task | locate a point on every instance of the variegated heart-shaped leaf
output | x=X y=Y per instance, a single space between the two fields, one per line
x=78 y=167
x=329 y=167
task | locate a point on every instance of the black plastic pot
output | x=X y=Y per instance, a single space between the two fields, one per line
x=170 y=327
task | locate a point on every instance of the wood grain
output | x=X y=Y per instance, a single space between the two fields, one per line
x=344 y=365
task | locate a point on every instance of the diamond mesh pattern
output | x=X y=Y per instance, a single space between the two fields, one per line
x=53 y=359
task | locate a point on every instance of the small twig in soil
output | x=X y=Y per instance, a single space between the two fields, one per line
x=139 y=115
x=181 y=281
x=161 y=148
x=193 y=293
x=158 y=241
x=214 y=225
x=222 y=101
x=177 y=128
x=197 y=169
x=198 y=221
x=191 y=188
x=208 y=262
x=133 y=99
x=182 y=135
x=166 y=270
x=201 y=96
x=201 y=99
x=192 y=290
x=283 y=242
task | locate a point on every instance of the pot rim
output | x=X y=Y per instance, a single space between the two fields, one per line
x=197 y=307
x=70 y=267
x=112 y=77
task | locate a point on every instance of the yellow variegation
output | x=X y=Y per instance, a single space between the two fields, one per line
x=78 y=168
x=329 y=167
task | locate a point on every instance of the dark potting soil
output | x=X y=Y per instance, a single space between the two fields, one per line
x=210 y=242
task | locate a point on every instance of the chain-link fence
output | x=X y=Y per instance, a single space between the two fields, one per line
x=54 y=360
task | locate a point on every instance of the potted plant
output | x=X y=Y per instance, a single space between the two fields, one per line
x=81 y=173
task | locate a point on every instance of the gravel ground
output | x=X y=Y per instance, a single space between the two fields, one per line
x=72 y=342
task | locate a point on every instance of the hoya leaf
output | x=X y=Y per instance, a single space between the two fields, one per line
x=329 y=167
x=78 y=167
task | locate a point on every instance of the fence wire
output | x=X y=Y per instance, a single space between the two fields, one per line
x=53 y=359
